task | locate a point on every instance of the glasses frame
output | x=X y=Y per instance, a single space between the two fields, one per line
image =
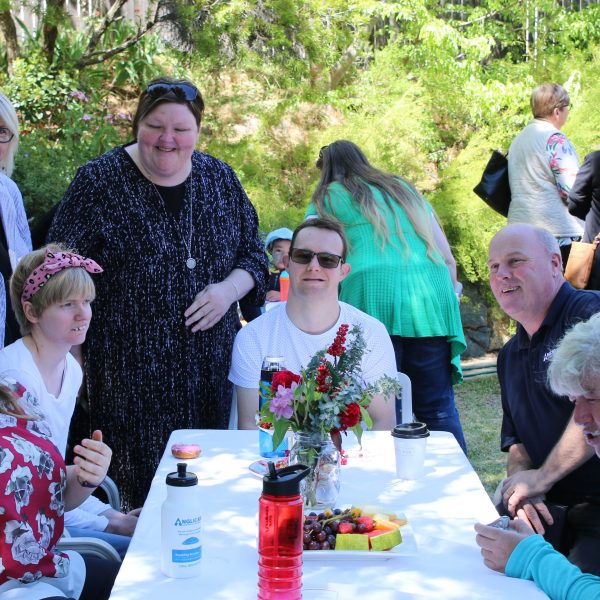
x=183 y=91
x=10 y=139
x=321 y=257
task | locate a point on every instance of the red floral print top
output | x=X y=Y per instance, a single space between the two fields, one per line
x=32 y=484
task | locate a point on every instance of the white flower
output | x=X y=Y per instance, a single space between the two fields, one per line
x=6 y=458
x=46 y=529
x=29 y=577
x=61 y=563
x=19 y=485
x=25 y=548
x=30 y=452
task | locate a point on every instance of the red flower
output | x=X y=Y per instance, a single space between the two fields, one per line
x=351 y=416
x=284 y=378
x=323 y=379
x=338 y=348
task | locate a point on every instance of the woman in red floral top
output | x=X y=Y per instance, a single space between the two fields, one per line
x=35 y=489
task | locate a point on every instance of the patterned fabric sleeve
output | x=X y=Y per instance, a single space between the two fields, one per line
x=78 y=221
x=563 y=162
x=251 y=255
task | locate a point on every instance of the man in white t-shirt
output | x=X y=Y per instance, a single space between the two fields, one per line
x=308 y=322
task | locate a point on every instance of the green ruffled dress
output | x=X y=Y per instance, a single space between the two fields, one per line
x=411 y=294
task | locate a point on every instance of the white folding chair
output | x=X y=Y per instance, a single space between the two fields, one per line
x=89 y=546
x=406 y=397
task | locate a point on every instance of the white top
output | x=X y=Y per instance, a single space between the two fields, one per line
x=536 y=176
x=273 y=334
x=16 y=362
x=441 y=508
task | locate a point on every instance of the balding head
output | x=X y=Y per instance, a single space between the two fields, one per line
x=525 y=272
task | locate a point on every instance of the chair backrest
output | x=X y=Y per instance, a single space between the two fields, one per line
x=406 y=397
x=111 y=491
x=89 y=546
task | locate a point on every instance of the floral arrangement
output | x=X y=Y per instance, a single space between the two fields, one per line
x=329 y=396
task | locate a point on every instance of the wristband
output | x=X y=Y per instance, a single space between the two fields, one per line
x=86 y=484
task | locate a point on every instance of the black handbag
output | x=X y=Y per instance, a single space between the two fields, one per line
x=493 y=188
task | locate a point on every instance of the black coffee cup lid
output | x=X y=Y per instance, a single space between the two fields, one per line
x=410 y=430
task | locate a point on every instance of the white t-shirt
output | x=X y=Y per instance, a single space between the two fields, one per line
x=273 y=334
x=16 y=362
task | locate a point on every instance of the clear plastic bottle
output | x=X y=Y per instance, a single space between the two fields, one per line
x=181 y=525
x=280 y=522
x=270 y=365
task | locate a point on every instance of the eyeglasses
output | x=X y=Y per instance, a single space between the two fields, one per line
x=325 y=259
x=6 y=135
x=184 y=91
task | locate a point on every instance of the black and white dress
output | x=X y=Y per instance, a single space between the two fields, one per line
x=146 y=372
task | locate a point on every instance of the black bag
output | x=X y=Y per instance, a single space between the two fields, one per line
x=493 y=188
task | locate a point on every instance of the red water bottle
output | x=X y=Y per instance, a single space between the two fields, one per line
x=280 y=531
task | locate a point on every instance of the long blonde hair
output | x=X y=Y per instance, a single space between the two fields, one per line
x=345 y=162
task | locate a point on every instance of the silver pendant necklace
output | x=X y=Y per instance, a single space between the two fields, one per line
x=190 y=262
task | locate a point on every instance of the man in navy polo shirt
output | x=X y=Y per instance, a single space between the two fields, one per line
x=549 y=461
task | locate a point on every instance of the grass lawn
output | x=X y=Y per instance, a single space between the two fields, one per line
x=478 y=402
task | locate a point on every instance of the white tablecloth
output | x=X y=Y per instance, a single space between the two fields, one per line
x=441 y=507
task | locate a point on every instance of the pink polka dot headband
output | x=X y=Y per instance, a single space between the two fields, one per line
x=54 y=262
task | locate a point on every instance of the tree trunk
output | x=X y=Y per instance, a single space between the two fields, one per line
x=342 y=67
x=54 y=15
x=9 y=33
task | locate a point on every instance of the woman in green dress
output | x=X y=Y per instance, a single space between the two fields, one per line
x=403 y=273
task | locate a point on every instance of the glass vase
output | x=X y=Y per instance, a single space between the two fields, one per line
x=321 y=487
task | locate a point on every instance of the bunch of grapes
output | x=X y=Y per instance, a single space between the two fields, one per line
x=320 y=530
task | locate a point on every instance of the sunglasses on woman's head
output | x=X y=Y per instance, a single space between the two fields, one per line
x=184 y=91
x=325 y=259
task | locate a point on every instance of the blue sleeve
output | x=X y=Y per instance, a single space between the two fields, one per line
x=536 y=560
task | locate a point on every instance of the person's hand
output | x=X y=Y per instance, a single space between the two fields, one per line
x=273 y=296
x=121 y=523
x=92 y=460
x=530 y=512
x=520 y=486
x=498 y=544
x=209 y=306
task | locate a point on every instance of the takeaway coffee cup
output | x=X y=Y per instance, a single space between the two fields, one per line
x=410 y=443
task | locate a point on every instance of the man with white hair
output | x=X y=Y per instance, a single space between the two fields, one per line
x=549 y=463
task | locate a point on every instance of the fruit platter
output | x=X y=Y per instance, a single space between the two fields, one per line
x=357 y=532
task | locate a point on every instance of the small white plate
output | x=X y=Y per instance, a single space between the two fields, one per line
x=408 y=547
x=260 y=468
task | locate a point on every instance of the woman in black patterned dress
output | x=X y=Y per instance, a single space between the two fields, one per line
x=178 y=240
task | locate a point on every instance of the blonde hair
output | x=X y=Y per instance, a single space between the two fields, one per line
x=11 y=121
x=10 y=405
x=65 y=284
x=575 y=364
x=344 y=162
x=546 y=97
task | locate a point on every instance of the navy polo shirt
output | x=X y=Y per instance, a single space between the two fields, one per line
x=533 y=415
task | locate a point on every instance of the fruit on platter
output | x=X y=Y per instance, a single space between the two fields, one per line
x=356 y=528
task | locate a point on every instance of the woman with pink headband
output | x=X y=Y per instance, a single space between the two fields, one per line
x=52 y=291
